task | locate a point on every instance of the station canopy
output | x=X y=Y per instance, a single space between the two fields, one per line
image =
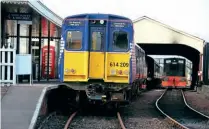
x=39 y=7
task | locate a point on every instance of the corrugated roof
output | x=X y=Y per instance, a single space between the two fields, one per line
x=38 y=6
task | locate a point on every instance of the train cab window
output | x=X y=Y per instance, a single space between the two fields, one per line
x=74 y=40
x=120 y=41
x=97 y=41
x=168 y=61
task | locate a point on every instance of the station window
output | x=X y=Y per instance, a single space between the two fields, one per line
x=97 y=41
x=74 y=40
x=120 y=41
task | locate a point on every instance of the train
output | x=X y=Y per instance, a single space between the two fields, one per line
x=174 y=73
x=99 y=59
x=154 y=73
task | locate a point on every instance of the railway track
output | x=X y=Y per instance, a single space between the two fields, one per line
x=141 y=114
x=172 y=104
x=69 y=121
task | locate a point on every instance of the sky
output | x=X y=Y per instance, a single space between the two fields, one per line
x=190 y=16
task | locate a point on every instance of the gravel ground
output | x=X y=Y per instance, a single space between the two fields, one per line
x=57 y=121
x=139 y=114
x=197 y=101
x=94 y=122
x=95 y=118
x=143 y=113
x=173 y=105
x=53 y=121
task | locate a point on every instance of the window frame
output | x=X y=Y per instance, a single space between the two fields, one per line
x=66 y=35
x=112 y=48
x=103 y=43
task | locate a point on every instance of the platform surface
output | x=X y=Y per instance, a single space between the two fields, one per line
x=18 y=106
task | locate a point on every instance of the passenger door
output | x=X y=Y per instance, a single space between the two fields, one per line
x=97 y=53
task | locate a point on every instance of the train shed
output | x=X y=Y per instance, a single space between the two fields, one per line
x=157 y=38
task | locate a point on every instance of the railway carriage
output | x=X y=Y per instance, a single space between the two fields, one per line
x=175 y=73
x=154 y=73
x=98 y=57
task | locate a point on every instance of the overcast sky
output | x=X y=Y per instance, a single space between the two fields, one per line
x=191 y=16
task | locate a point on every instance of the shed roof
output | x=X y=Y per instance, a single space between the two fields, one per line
x=167 y=26
x=38 y=6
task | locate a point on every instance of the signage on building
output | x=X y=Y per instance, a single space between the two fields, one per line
x=19 y=16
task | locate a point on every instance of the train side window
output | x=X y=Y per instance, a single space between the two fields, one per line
x=74 y=40
x=97 y=41
x=120 y=41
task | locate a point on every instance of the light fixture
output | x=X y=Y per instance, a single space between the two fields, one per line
x=94 y=21
x=101 y=21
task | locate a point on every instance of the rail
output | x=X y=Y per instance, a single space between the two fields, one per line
x=171 y=120
x=74 y=114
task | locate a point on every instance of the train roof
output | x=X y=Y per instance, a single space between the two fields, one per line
x=174 y=58
x=97 y=16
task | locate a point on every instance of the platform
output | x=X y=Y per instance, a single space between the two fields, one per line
x=18 y=106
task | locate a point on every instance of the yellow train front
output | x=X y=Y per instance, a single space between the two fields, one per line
x=95 y=57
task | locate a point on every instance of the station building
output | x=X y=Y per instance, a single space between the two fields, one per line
x=31 y=28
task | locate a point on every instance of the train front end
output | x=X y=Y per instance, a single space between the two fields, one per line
x=95 y=55
x=175 y=73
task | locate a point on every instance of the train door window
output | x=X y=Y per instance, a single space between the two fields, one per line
x=120 y=41
x=74 y=40
x=97 y=41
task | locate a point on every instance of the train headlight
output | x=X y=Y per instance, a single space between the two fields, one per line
x=72 y=70
x=101 y=21
x=182 y=79
x=120 y=72
x=67 y=70
x=126 y=72
x=113 y=72
x=165 y=79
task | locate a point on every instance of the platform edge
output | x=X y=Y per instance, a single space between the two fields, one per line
x=38 y=106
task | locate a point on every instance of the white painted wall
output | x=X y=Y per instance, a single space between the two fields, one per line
x=149 y=31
